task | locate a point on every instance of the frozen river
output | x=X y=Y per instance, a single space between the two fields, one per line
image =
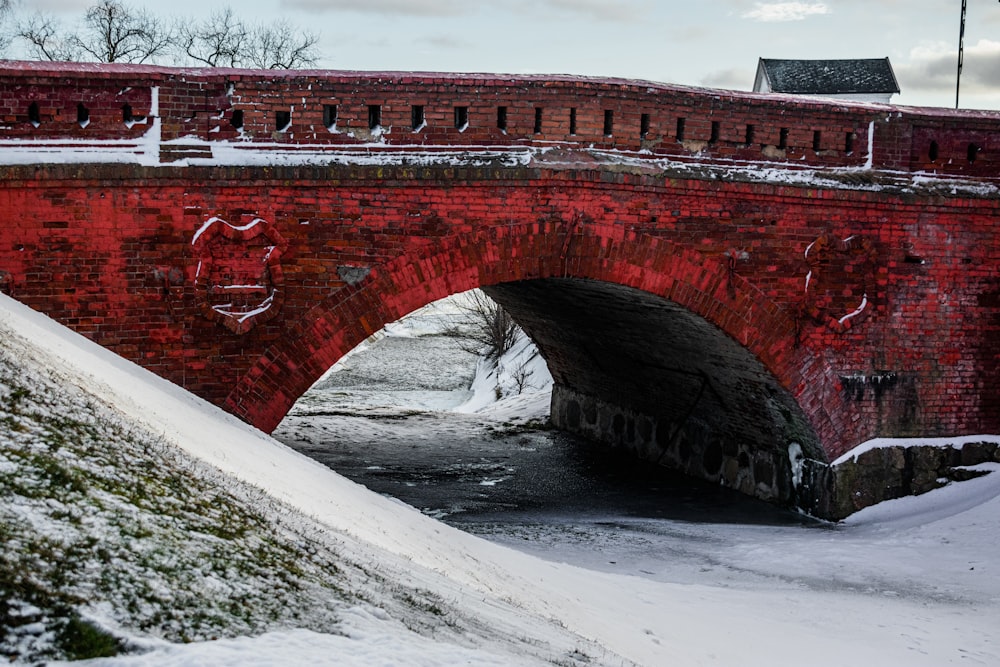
x=387 y=419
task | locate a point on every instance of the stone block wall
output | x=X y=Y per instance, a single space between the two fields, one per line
x=780 y=475
x=685 y=445
x=836 y=491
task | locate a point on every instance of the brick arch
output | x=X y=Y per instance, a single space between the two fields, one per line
x=553 y=249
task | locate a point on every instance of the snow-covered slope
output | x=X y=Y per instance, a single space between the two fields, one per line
x=515 y=386
x=512 y=608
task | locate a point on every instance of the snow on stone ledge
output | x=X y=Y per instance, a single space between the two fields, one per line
x=956 y=442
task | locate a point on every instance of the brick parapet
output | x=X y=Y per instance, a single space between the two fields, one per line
x=343 y=109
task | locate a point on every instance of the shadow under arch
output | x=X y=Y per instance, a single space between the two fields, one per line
x=642 y=269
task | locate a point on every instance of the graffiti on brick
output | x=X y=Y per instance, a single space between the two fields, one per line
x=238 y=280
x=840 y=280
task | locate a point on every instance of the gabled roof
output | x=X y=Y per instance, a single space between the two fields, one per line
x=827 y=77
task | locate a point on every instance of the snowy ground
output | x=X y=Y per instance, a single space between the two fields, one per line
x=926 y=570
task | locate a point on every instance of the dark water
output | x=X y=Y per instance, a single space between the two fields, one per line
x=384 y=421
x=463 y=470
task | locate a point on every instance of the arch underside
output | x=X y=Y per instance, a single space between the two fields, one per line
x=640 y=372
x=675 y=359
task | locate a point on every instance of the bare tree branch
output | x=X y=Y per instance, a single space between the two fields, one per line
x=492 y=330
x=113 y=32
x=281 y=46
x=7 y=31
x=41 y=34
x=226 y=41
x=218 y=42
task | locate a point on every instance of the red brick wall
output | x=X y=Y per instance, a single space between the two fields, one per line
x=111 y=250
x=200 y=104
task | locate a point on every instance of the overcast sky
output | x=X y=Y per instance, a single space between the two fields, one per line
x=712 y=43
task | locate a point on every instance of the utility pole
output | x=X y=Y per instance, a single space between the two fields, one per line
x=961 y=48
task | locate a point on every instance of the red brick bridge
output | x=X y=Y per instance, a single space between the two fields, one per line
x=722 y=282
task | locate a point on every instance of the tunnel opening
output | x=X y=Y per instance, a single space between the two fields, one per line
x=427 y=411
x=461 y=354
x=635 y=371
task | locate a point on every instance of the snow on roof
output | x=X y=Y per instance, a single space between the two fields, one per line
x=827 y=77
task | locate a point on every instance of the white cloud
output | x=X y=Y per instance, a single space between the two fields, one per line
x=446 y=42
x=602 y=10
x=388 y=7
x=591 y=9
x=771 y=12
x=932 y=67
x=735 y=78
x=54 y=6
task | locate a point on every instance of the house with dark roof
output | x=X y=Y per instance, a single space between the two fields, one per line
x=866 y=80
